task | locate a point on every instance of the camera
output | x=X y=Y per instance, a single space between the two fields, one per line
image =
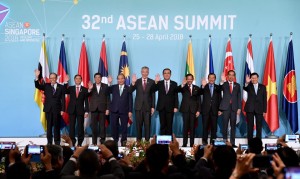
x=163 y=139
x=35 y=152
x=94 y=148
x=218 y=143
x=7 y=145
x=271 y=148
x=244 y=146
x=291 y=138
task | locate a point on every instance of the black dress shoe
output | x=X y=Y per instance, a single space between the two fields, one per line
x=183 y=145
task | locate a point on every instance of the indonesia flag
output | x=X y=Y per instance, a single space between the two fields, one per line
x=228 y=62
x=249 y=68
x=62 y=73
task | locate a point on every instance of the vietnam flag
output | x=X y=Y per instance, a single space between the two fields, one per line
x=189 y=68
x=272 y=117
x=62 y=73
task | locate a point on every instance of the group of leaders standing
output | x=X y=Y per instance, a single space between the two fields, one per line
x=101 y=99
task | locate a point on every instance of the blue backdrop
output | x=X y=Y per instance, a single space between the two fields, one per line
x=157 y=34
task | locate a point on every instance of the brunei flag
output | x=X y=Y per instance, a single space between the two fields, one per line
x=289 y=102
x=271 y=117
x=189 y=68
x=39 y=96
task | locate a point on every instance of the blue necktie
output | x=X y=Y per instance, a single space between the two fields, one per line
x=211 y=87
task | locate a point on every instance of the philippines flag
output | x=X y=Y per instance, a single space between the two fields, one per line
x=62 y=73
x=209 y=60
x=289 y=102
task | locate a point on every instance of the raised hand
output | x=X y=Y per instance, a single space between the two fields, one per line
x=157 y=78
x=203 y=82
x=90 y=85
x=37 y=73
x=223 y=77
x=184 y=81
x=67 y=79
x=109 y=79
x=133 y=78
x=248 y=79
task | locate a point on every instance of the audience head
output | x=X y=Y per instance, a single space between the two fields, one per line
x=67 y=153
x=113 y=147
x=157 y=157
x=288 y=156
x=224 y=158
x=88 y=163
x=18 y=170
x=57 y=158
x=255 y=145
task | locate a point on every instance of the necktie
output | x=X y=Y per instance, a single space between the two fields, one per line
x=190 y=88
x=255 y=87
x=53 y=89
x=166 y=87
x=144 y=84
x=98 y=88
x=211 y=87
x=77 y=91
x=121 y=90
x=230 y=87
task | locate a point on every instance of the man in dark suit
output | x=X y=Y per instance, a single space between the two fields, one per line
x=230 y=105
x=144 y=102
x=190 y=107
x=78 y=108
x=120 y=108
x=99 y=105
x=54 y=105
x=256 y=104
x=167 y=103
x=210 y=107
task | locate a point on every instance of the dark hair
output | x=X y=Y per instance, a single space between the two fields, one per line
x=53 y=74
x=254 y=73
x=231 y=71
x=18 y=170
x=56 y=152
x=187 y=75
x=88 y=163
x=157 y=157
x=121 y=74
x=288 y=156
x=255 y=145
x=77 y=75
x=211 y=74
x=113 y=147
x=67 y=153
x=224 y=158
x=98 y=74
x=167 y=69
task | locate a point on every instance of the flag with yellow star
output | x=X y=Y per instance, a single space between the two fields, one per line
x=289 y=101
x=271 y=117
x=124 y=65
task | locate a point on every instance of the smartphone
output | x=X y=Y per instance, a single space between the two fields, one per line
x=73 y=148
x=292 y=172
x=291 y=138
x=271 y=148
x=244 y=146
x=202 y=147
x=218 y=143
x=94 y=148
x=120 y=155
x=163 y=139
x=262 y=161
x=35 y=151
x=7 y=145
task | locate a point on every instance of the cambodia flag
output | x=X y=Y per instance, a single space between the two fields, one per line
x=289 y=101
x=62 y=72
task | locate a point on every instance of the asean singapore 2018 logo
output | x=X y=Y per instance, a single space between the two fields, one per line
x=3 y=12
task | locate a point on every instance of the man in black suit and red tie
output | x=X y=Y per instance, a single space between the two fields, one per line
x=99 y=107
x=210 y=107
x=256 y=104
x=144 y=102
x=230 y=105
x=120 y=108
x=167 y=103
x=190 y=107
x=78 y=108
x=54 y=105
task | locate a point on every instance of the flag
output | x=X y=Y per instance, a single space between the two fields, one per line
x=189 y=68
x=228 y=62
x=249 y=68
x=83 y=70
x=269 y=81
x=39 y=96
x=124 y=69
x=103 y=70
x=62 y=73
x=289 y=102
x=209 y=61
x=124 y=65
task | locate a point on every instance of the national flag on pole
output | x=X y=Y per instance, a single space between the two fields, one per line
x=189 y=68
x=103 y=70
x=272 y=117
x=228 y=62
x=289 y=101
x=83 y=70
x=124 y=65
x=209 y=61
x=39 y=96
x=62 y=73
x=249 y=68
x=124 y=69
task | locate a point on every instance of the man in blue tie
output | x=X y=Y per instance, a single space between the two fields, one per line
x=209 y=107
x=256 y=104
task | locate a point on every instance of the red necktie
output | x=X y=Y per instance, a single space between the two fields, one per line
x=230 y=87
x=144 y=84
x=77 y=91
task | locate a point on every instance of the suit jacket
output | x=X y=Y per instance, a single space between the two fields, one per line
x=99 y=101
x=190 y=103
x=209 y=101
x=235 y=97
x=121 y=104
x=256 y=102
x=146 y=98
x=53 y=102
x=166 y=101
x=79 y=105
